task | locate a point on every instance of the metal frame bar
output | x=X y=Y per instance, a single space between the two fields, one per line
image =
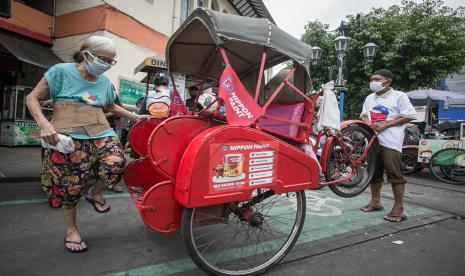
x=260 y=75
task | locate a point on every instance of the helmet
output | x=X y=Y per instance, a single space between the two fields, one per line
x=161 y=78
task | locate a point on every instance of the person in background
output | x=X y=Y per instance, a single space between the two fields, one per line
x=139 y=103
x=80 y=91
x=387 y=110
x=159 y=100
x=193 y=90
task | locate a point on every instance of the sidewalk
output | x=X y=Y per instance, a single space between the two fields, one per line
x=20 y=164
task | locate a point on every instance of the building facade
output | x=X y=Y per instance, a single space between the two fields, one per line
x=36 y=34
x=140 y=28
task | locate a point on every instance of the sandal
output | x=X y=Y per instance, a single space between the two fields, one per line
x=395 y=217
x=372 y=208
x=75 y=250
x=93 y=202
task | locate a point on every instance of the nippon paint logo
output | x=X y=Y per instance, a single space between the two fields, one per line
x=227 y=84
x=224 y=148
x=234 y=101
x=177 y=100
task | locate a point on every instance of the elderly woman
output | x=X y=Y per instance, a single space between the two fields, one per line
x=79 y=91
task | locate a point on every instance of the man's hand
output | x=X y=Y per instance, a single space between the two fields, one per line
x=379 y=127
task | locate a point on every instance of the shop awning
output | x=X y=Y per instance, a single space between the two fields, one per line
x=28 y=51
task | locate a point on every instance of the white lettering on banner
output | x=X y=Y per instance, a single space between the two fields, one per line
x=260 y=161
x=261 y=168
x=261 y=154
x=238 y=106
x=249 y=147
x=261 y=174
x=260 y=181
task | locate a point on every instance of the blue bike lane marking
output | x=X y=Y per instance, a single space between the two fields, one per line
x=326 y=215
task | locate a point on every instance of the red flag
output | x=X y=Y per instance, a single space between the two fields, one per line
x=241 y=108
x=177 y=106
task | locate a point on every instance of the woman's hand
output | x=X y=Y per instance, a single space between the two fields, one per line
x=49 y=134
x=141 y=118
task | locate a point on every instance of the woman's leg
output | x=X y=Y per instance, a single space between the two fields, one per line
x=108 y=167
x=72 y=233
x=63 y=179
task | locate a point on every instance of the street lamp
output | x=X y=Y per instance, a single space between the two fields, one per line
x=369 y=51
x=316 y=54
x=340 y=43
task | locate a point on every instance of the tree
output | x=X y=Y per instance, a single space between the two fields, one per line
x=420 y=42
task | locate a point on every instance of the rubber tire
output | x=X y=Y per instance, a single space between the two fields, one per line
x=415 y=167
x=186 y=227
x=446 y=178
x=334 y=187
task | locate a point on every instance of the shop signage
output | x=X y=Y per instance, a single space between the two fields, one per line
x=130 y=91
x=237 y=166
x=428 y=147
x=158 y=63
x=20 y=134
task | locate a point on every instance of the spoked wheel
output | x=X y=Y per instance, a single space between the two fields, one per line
x=448 y=165
x=409 y=163
x=244 y=238
x=338 y=166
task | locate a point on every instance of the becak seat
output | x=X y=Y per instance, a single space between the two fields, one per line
x=288 y=115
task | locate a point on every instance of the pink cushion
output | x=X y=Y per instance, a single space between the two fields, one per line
x=290 y=112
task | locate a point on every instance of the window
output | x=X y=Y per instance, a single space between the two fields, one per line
x=184 y=10
x=200 y=3
x=214 y=5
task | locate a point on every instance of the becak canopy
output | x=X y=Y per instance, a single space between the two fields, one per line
x=244 y=38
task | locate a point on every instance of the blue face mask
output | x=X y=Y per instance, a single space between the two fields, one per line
x=96 y=67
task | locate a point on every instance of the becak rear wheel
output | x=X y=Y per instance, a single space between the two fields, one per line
x=244 y=238
x=355 y=139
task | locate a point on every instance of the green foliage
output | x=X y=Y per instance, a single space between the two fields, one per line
x=420 y=42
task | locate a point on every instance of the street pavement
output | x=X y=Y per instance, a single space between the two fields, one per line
x=19 y=164
x=337 y=238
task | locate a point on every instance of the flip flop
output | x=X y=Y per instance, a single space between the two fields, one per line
x=75 y=250
x=395 y=218
x=372 y=208
x=92 y=201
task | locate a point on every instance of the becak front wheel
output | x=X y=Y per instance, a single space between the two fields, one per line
x=355 y=139
x=244 y=238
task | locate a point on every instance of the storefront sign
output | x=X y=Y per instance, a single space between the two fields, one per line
x=130 y=91
x=20 y=134
x=235 y=166
x=428 y=147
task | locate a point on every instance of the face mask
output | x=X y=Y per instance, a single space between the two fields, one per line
x=96 y=67
x=376 y=86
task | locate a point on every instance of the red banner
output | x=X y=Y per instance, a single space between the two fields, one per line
x=177 y=107
x=241 y=108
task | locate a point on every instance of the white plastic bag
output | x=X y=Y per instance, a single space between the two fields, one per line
x=64 y=145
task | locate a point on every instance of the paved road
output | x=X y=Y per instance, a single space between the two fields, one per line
x=435 y=249
x=31 y=234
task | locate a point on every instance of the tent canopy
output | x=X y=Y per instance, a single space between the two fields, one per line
x=244 y=38
x=438 y=95
x=28 y=51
